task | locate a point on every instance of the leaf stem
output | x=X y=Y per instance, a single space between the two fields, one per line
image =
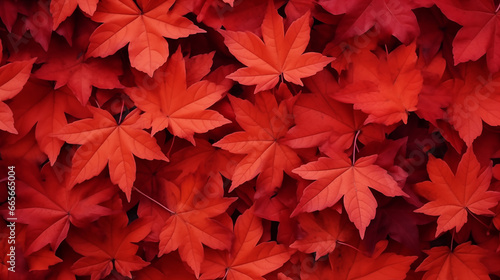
x=153 y=200
x=452 y=237
x=348 y=245
x=121 y=112
x=355 y=147
x=477 y=219
x=171 y=146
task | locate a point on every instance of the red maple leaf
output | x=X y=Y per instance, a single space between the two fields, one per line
x=474 y=99
x=170 y=103
x=143 y=26
x=67 y=66
x=246 y=259
x=479 y=32
x=108 y=244
x=279 y=56
x=336 y=177
x=193 y=214
x=48 y=209
x=265 y=125
x=464 y=262
x=41 y=105
x=386 y=88
x=453 y=196
x=104 y=140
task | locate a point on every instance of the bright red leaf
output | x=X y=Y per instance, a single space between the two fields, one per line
x=479 y=33
x=279 y=56
x=170 y=103
x=463 y=263
x=386 y=88
x=142 y=25
x=336 y=177
x=41 y=105
x=107 y=245
x=194 y=208
x=453 y=196
x=265 y=125
x=246 y=260
x=48 y=210
x=104 y=140
x=67 y=66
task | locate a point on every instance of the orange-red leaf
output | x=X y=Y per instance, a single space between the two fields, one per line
x=323 y=230
x=385 y=88
x=170 y=103
x=453 y=196
x=103 y=141
x=107 y=245
x=192 y=222
x=142 y=25
x=265 y=125
x=41 y=105
x=479 y=33
x=247 y=260
x=463 y=263
x=48 y=208
x=335 y=177
x=279 y=54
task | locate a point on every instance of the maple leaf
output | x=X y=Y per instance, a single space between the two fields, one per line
x=192 y=216
x=247 y=260
x=61 y=9
x=324 y=230
x=104 y=140
x=107 y=244
x=479 y=32
x=66 y=66
x=13 y=76
x=474 y=99
x=265 y=125
x=386 y=88
x=339 y=122
x=170 y=104
x=453 y=196
x=143 y=26
x=463 y=263
x=39 y=104
x=388 y=16
x=335 y=177
x=48 y=209
x=279 y=55
x=351 y=264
